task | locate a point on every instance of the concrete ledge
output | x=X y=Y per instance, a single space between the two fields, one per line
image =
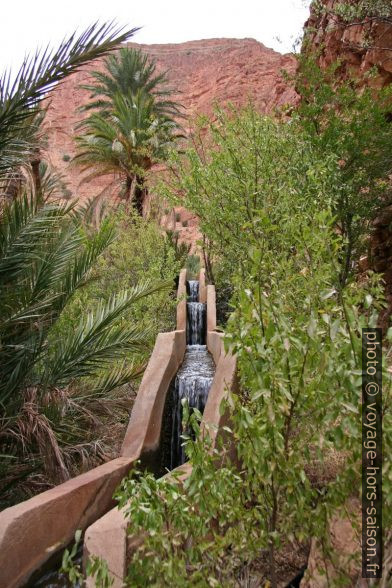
x=144 y=429
x=211 y=308
x=202 y=286
x=181 y=306
x=225 y=379
x=30 y=532
x=215 y=345
x=109 y=533
x=107 y=538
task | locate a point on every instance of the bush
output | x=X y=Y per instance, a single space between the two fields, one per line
x=297 y=336
x=65 y=351
x=140 y=251
x=273 y=206
x=193 y=267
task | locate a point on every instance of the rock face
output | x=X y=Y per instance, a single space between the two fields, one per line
x=203 y=72
x=359 y=47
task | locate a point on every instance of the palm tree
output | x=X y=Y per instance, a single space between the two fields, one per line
x=125 y=142
x=45 y=256
x=132 y=125
x=129 y=72
x=51 y=378
x=21 y=96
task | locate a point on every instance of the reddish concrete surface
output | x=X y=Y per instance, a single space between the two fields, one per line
x=32 y=531
x=107 y=538
x=202 y=286
x=211 y=308
x=144 y=429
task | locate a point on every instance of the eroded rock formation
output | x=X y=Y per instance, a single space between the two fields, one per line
x=204 y=73
x=360 y=46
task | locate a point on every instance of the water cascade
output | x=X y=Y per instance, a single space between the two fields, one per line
x=196 y=316
x=194 y=378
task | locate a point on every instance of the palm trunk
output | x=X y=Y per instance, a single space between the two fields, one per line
x=139 y=194
x=35 y=162
x=128 y=188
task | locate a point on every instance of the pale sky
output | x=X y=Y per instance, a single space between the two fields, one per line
x=27 y=24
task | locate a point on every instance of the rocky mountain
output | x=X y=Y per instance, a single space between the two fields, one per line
x=203 y=72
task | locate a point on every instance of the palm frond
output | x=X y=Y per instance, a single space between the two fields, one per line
x=24 y=226
x=114 y=378
x=38 y=75
x=126 y=140
x=45 y=257
x=93 y=211
x=98 y=340
x=129 y=72
x=77 y=271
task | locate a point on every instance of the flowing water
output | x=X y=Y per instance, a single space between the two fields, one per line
x=192 y=384
x=194 y=378
x=196 y=316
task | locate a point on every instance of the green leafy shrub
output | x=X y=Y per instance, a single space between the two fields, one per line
x=298 y=342
x=140 y=251
x=193 y=267
x=273 y=205
x=63 y=355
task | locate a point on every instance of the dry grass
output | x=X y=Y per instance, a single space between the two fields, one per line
x=44 y=451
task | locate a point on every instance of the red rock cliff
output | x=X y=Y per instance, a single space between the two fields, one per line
x=360 y=45
x=204 y=72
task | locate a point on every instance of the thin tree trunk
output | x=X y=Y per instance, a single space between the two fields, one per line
x=35 y=162
x=347 y=258
x=207 y=261
x=139 y=194
x=128 y=188
x=271 y=546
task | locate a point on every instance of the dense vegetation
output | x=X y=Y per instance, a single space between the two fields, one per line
x=285 y=205
x=80 y=284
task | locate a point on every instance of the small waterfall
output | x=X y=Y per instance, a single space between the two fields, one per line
x=194 y=378
x=193 y=382
x=196 y=316
x=196 y=320
x=193 y=289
